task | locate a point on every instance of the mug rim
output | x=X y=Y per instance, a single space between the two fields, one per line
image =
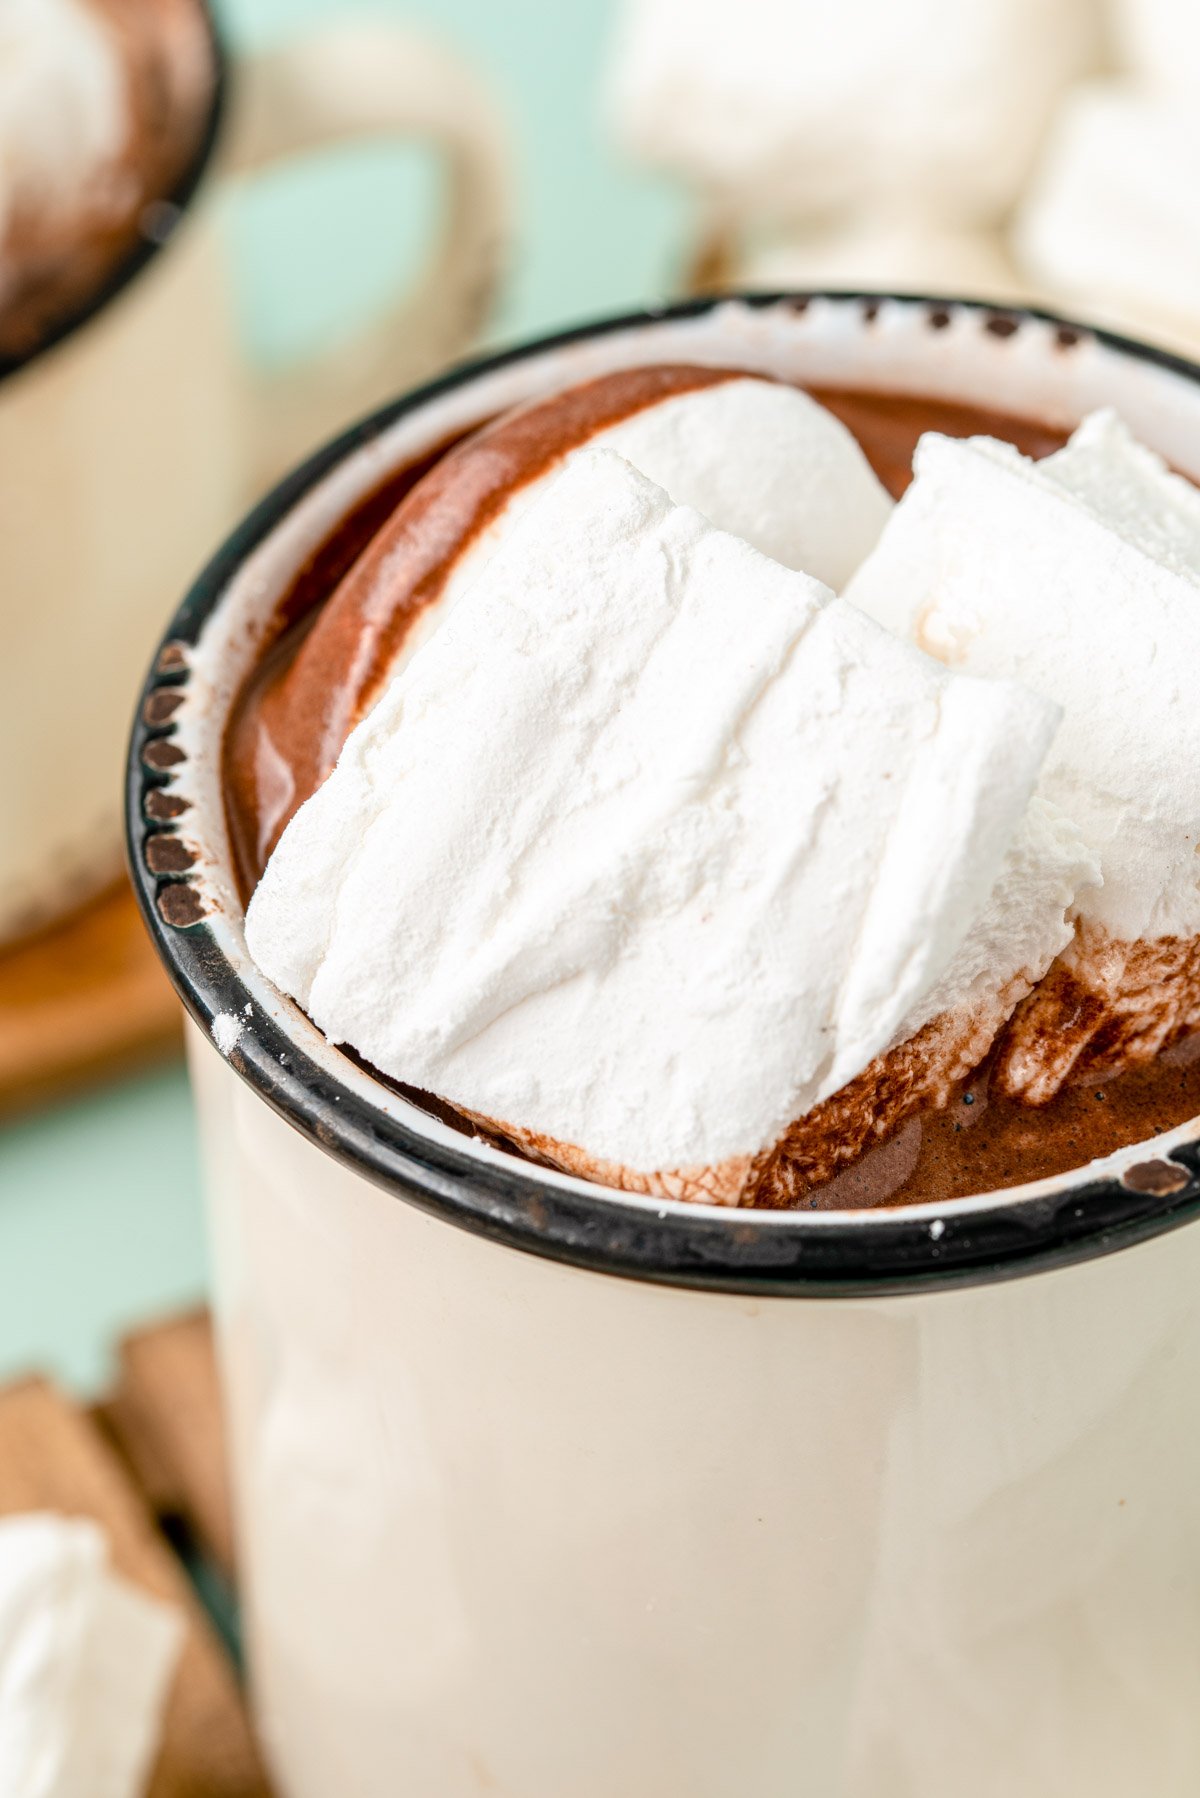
x=145 y=248
x=871 y=1252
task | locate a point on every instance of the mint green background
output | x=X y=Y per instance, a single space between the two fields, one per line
x=100 y=1216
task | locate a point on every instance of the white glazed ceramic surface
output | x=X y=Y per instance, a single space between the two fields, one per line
x=513 y=1526
x=508 y=1526
x=130 y=445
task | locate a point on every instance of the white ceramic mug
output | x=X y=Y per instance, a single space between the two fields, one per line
x=570 y=1494
x=135 y=437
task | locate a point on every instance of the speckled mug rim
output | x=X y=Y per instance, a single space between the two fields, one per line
x=320 y=1092
x=146 y=246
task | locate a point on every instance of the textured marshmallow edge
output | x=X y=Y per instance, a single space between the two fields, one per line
x=955 y=476
x=840 y=494
x=129 y=1659
x=778 y=1175
x=920 y=1071
x=957 y=765
x=1106 y=1004
x=1075 y=486
x=949 y=475
x=949 y=472
x=1127 y=486
x=1047 y=869
x=291 y=958
x=720 y=1183
x=705 y=409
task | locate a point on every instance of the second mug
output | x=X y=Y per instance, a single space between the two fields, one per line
x=133 y=431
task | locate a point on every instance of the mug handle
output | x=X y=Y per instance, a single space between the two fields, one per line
x=359 y=81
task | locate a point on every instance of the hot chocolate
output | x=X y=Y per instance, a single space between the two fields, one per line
x=920 y=1121
x=103 y=110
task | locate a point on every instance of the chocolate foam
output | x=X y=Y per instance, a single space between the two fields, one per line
x=52 y=262
x=930 y=1119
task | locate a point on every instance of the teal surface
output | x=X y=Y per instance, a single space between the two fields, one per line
x=100 y=1214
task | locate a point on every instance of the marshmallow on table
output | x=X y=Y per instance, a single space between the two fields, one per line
x=656 y=845
x=799 y=108
x=1080 y=576
x=85 y=1663
x=63 y=109
x=1111 y=223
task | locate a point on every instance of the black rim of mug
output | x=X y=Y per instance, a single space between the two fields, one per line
x=786 y=1254
x=147 y=244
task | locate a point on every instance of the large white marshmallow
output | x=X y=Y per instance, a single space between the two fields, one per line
x=1111 y=224
x=760 y=459
x=767 y=463
x=86 y=1661
x=800 y=108
x=1159 y=42
x=1079 y=576
x=656 y=843
x=63 y=106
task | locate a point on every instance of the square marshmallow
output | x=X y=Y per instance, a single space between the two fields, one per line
x=656 y=843
x=1079 y=576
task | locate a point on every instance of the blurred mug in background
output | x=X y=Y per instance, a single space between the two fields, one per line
x=131 y=429
x=863 y=143
x=1111 y=225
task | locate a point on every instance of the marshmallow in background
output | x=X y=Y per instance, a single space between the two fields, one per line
x=86 y=1660
x=63 y=108
x=922 y=258
x=1079 y=576
x=656 y=843
x=1159 y=42
x=1111 y=225
x=793 y=109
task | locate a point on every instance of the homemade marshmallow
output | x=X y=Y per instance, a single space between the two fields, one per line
x=758 y=458
x=1079 y=576
x=656 y=845
x=797 y=109
x=767 y=463
x=1159 y=41
x=1111 y=224
x=86 y=1661
x=64 y=109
